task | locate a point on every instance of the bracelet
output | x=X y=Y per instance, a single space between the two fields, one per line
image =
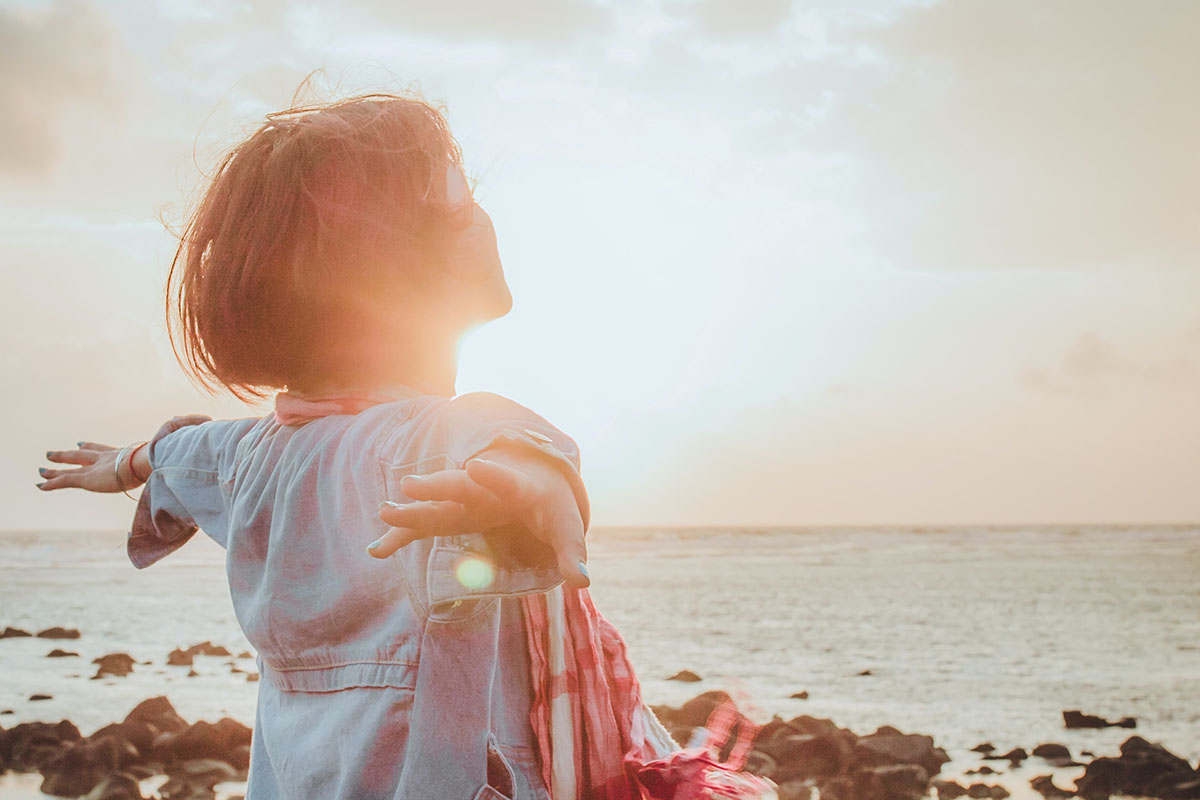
x=126 y=452
x=133 y=471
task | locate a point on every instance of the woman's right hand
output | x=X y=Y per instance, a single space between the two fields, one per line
x=96 y=473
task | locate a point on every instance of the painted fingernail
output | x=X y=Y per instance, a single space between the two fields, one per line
x=390 y=504
x=49 y=453
x=373 y=546
x=79 y=444
x=40 y=485
x=583 y=570
x=42 y=471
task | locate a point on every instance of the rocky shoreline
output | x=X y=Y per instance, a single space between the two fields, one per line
x=805 y=756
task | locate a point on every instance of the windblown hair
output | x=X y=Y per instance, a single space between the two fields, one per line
x=308 y=228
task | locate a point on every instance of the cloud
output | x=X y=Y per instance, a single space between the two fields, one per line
x=53 y=62
x=1091 y=364
x=1036 y=135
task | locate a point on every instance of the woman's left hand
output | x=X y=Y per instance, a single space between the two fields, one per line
x=96 y=473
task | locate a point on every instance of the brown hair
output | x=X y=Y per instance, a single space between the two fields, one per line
x=286 y=265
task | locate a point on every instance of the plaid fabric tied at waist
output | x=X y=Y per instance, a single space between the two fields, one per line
x=596 y=737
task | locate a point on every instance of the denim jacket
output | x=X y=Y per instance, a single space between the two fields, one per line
x=406 y=677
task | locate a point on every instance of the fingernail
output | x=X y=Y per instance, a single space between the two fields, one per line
x=79 y=444
x=40 y=485
x=49 y=453
x=42 y=471
x=390 y=504
x=414 y=477
x=583 y=570
x=375 y=545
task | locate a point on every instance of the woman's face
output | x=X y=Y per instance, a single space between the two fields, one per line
x=473 y=266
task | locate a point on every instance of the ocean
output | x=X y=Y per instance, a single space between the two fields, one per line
x=967 y=634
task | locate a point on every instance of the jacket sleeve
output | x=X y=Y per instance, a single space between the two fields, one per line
x=192 y=461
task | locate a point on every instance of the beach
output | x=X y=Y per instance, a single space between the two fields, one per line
x=969 y=635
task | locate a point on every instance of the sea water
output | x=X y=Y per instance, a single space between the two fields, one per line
x=966 y=634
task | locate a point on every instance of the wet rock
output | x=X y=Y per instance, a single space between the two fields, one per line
x=228 y=740
x=56 y=653
x=811 y=757
x=33 y=698
x=892 y=782
x=949 y=790
x=116 y=664
x=1052 y=750
x=864 y=673
x=986 y=747
x=119 y=786
x=761 y=764
x=193 y=674
x=14 y=633
x=794 y=790
x=837 y=788
x=245 y=654
x=79 y=768
x=983 y=769
x=686 y=675
x=31 y=744
x=1016 y=755
x=252 y=677
x=7 y=711
x=980 y=791
x=1077 y=719
x=798 y=696
x=148 y=720
x=179 y=658
x=888 y=747
x=1045 y=786
x=58 y=633
x=1143 y=769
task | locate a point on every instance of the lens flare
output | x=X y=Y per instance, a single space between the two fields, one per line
x=474 y=573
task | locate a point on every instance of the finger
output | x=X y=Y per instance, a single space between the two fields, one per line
x=430 y=518
x=95 y=446
x=67 y=480
x=512 y=486
x=571 y=550
x=450 y=484
x=81 y=457
x=390 y=542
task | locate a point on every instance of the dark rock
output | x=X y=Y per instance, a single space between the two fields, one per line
x=116 y=664
x=838 y=788
x=119 y=786
x=986 y=747
x=1045 y=786
x=686 y=676
x=31 y=744
x=979 y=791
x=882 y=748
x=1077 y=719
x=193 y=674
x=252 y=677
x=79 y=768
x=33 y=698
x=1143 y=769
x=245 y=654
x=814 y=726
x=982 y=769
x=864 y=672
x=798 y=696
x=14 y=633
x=7 y=711
x=58 y=633
x=892 y=782
x=179 y=658
x=227 y=740
x=794 y=790
x=759 y=763
x=56 y=653
x=949 y=790
x=204 y=649
x=1050 y=750
x=810 y=757
x=1017 y=754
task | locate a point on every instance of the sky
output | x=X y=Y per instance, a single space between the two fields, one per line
x=774 y=263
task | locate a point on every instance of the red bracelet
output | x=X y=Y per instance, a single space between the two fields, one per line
x=132 y=471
